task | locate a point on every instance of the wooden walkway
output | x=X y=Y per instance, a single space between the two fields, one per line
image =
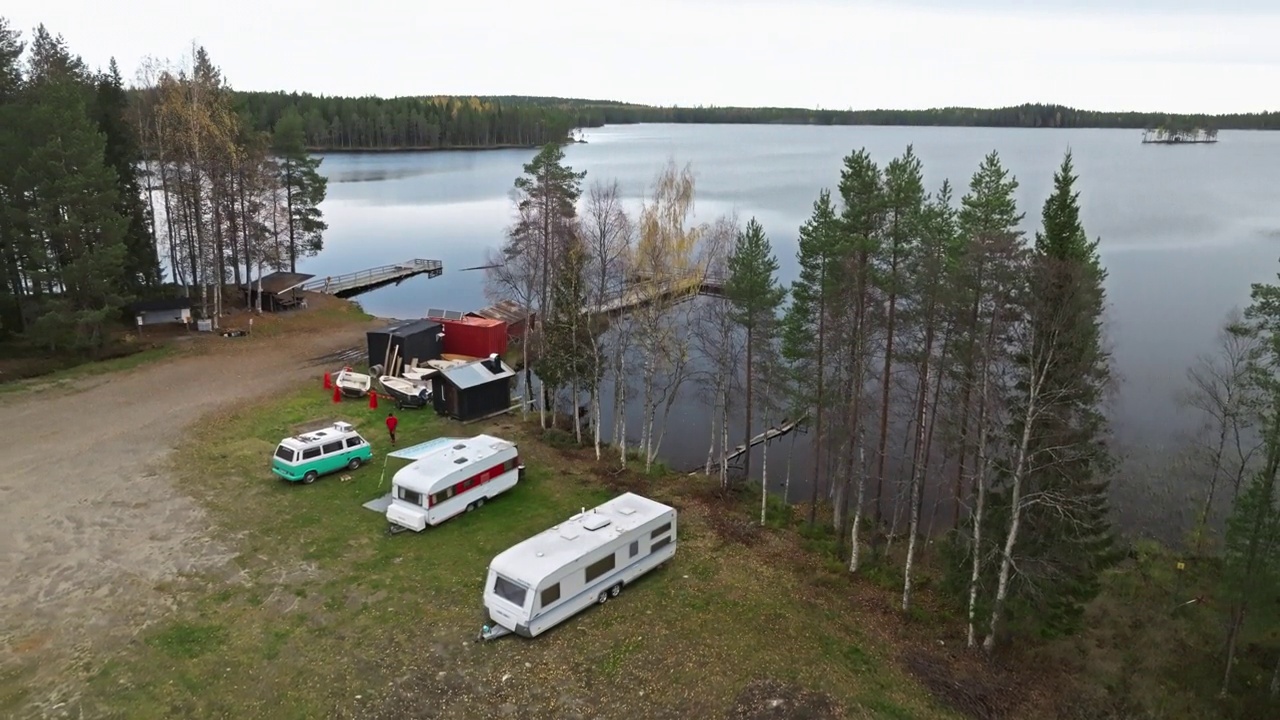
x=647 y=290
x=360 y=281
x=772 y=433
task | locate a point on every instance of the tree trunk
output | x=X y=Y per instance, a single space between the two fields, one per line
x=1237 y=619
x=857 y=511
x=1275 y=680
x=980 y=485
x=882 y=449
x=1213 y=482
x=914 y=507
x=746 y=440
x=820 y=402
x=288 y=199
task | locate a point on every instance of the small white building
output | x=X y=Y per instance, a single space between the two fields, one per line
x=543 y=581
x=451 y=478
x=164 y=311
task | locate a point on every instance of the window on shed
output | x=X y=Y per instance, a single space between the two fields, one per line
x=310 y=453
x=333 y=447
x=660 y=530
x=600 y=567
x=356 y=441
x=660 y=544
x=635 y=548
x=550 y=595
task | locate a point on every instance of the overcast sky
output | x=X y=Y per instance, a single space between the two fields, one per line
x=1172 y=55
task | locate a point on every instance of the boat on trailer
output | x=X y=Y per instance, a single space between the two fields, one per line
x=353 y=384
x=586 y=560
x=406 y=393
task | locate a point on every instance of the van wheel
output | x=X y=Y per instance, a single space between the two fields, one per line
x=604 y=597
x=616 y=590
x=309 y=478
x=354 y=464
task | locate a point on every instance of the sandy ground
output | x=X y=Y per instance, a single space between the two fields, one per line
x=90 y=528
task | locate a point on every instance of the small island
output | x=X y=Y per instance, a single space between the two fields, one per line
x=1175 y=135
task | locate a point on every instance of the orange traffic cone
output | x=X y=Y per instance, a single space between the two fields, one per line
x=337 y=394
x=373 y=401
x=328 y=383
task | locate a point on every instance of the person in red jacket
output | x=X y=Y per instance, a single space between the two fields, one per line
x=391 y=426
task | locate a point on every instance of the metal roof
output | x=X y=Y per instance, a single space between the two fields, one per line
x=532 y=560
x=438 y=467
x=438 y=314
x=507 y=311
x=278 y=282
x=475 y=373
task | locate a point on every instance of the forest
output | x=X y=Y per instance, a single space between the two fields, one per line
x=953 y=375
x=429 y=123
x=100 y=184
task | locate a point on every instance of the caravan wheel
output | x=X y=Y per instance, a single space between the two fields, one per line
x=479 y=503
x=604 y=597
x=616 y=590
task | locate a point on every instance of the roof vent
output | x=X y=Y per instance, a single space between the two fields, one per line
x=460 y=446
x=627 y=510
x=595 y=522
x=568 y=532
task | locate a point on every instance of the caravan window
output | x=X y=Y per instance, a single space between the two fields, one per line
x=284 y=453
x=410 y=496
x=660 y=530
x=635 y=548
x=509 y=591
x=660 y=544
x=599 y=567
x=550 y=595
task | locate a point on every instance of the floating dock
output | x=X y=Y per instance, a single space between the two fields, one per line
x=352 y=284
x=647 y=290
x=772 y=433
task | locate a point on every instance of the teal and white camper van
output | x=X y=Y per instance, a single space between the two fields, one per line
x=307 y=456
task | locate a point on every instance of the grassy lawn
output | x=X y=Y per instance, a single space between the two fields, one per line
x=88 y=369
x=325 y=615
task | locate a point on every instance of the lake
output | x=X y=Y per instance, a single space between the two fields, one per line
x=1184 y=229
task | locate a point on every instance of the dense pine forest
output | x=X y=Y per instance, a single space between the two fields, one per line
x=336 y=123
x=80 y=235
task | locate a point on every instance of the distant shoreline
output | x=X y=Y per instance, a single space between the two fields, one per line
x=428 y=148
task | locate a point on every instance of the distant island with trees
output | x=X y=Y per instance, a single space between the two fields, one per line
x=455 y=122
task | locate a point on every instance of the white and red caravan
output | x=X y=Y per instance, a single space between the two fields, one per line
x=459 y=477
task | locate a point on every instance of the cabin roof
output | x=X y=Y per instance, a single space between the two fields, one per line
x=532 y=560
x=408 y=328
x=508 y=311
x=436 y=468
x=475 y=373
x=278 y=282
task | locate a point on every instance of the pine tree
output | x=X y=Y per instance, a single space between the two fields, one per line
x=12 y=148
x=806 y=327
x=304 y=188
x=753 y=290
x=123 y=155
x=1066 y=540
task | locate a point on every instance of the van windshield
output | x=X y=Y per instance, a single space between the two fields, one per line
x=284 y=453
x=509 y=591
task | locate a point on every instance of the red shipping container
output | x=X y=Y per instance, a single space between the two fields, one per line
x=474 y=337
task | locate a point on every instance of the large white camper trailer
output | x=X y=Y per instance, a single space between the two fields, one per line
x=543 y=581
x=456 y=478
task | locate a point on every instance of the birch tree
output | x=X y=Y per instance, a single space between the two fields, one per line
x=607 y=231
x=719 y=346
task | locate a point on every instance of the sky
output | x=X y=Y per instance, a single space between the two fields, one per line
x=1145 y=55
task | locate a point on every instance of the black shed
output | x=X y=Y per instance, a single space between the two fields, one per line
x=472 y=391
x=420 y=340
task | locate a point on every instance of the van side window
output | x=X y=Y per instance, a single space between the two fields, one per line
x=355 y=441
x=599 y=567
x=660 y=530
x=635 y=548
x=550 y=595
x=310 y=453
x=333 y=447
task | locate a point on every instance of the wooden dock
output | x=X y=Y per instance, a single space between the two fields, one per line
x=352 y=284
x=646 y=290
x=773 y=433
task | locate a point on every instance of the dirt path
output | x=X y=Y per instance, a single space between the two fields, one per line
x=89 y=525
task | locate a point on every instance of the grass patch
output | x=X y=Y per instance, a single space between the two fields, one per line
x=323 y=606
x=89 y=369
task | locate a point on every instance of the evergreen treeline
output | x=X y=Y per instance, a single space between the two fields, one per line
x=369 y=123
x=98 y=184
x=951 y=371
x=335 y=123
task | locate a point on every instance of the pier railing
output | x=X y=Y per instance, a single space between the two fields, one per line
x=335 y=284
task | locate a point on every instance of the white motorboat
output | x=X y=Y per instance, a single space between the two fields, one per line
x=407 y=393
x=353 y=384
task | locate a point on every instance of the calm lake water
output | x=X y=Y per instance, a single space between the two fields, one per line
x=1184 y=230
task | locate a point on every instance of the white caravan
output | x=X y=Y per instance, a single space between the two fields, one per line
x=543 y=581
x=456 y=478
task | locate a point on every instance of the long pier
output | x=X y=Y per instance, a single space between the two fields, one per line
x=648 y=290
x=351 y=284
x=772 y=433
